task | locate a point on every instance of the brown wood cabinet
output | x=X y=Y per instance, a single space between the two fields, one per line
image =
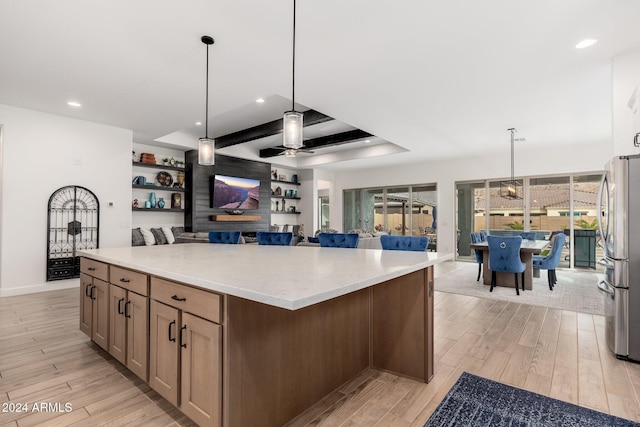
x=185 y=358
x=129 y=319
x=94 y=301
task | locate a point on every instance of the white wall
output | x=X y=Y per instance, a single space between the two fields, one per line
x=529 y=160
x=626 y=77
x=41 y=153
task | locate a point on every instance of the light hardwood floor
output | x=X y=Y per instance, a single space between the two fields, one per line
x=45 y=358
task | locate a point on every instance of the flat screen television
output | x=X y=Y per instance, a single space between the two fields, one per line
x=230 y=192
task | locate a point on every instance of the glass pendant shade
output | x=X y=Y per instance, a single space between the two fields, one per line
x=292 y=130
x=511 y=190
x=206 y=153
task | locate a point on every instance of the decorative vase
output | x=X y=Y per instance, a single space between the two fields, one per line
x=161 y=203
x=152 y=200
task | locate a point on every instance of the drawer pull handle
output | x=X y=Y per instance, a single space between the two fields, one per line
x=124 y=280
x=120 y=301
x=182 y=344
x=91 y=269
x=86 y=290
x=176 y=298
x=173 y=322
x=126 y=310
x=91 y=294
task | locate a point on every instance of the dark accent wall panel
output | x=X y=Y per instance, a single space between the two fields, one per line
x=198 y=196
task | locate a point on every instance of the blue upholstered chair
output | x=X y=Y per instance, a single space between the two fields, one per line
x=274 y=238
x=477 y=238
x=338 y=240
x=504 y=256
x=483 y=235
x=404 y=243
x=550 y=261
x=225 y=237
x=528 y=235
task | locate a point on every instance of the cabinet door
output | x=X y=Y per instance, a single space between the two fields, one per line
x=100 y=320
x=164 y=328
x=137 y=313
x=118 y=324
x=201 y=370
x=86 y=312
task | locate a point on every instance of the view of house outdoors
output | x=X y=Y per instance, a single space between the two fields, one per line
x=408 y=210
x=549 y=205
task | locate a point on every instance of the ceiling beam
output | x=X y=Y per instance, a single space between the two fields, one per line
x=310 y=117
x=321 y=142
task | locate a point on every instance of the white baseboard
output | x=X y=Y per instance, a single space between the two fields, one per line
x=44 y=287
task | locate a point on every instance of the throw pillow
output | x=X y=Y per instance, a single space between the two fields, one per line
x=136 y=237
x=149 y=240
x=168 y=234
x=159 y=236
x=177 y=231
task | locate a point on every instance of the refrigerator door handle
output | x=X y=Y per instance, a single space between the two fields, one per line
x=605 y=262
x=605 y=287
x=603 y=181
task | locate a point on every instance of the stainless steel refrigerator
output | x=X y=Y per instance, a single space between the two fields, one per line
x=619 y=224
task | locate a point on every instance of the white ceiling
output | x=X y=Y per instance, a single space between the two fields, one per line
x=435 y=79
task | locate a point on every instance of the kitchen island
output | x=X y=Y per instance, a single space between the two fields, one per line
x=245 y=335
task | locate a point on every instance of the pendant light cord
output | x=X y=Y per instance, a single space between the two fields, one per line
x=512 y=130
x=206 y=107
x=293 y=80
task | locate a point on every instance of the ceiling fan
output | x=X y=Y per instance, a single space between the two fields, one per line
x=291 y=152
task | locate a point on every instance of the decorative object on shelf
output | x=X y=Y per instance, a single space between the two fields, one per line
x=294 y=193
x=142 y=180
x=288 y=193
x=133 y=156
x=282 y=177
x=172 y=161
x=294 y=178
x=292 y=121
x=135 y=204
x=277 y=205
x=283 y=204
x=147 y=204
x=206 y=145
x=161 y=203
x=181 y=179
x=511 y=189
x=148 y=158
x=179 y=163
x=278 y=191
x=152 y=199
x=292 y=209
x=165 y=161
x=164 y=179
x=274 y=174
x=176 y=201
x=235 y=212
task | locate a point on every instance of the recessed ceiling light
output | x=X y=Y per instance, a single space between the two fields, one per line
x=74 y=104
x=260 y=100
x=586 y=43
x=198 y=123
x=367 y=141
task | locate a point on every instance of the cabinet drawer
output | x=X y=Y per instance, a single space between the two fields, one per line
x=195 y=301
x=94 y=268
x=129 y=279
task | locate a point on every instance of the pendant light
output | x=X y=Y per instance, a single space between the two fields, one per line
x=292 y=121
x=511 y=189
x=206 y=145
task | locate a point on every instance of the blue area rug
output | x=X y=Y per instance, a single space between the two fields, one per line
x=476 y=401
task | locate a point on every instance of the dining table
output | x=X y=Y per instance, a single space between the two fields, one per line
x=528 y=249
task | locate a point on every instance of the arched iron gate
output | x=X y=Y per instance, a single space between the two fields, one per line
x=72 y=224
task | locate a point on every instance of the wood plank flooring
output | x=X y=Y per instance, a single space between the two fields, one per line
x=44 y=358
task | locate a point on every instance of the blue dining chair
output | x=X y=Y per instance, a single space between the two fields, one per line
x=274 y=238
x=483 y=235
x=528 y=235
x=550 y=261
x=225 y=237
x=477 y=238
x=404 y=243
x=338 y=240
x=504 y=257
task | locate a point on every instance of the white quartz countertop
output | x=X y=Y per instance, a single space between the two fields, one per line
x=289 y=277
